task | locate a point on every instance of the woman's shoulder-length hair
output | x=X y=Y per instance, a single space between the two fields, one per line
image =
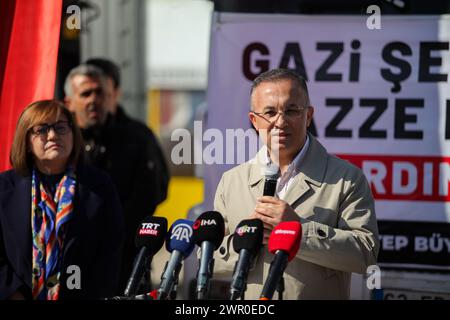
x=37 y=113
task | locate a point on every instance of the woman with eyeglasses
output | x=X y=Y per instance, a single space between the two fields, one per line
x=61 y=224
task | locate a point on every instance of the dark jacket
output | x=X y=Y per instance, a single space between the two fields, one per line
x=93 y=240
x=156 y=162
x=129 y=152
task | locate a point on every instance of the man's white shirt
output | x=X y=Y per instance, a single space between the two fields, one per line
x=284 y=182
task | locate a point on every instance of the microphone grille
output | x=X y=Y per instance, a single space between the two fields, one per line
x=248 y=235
x=209 y=226
x=286 y=236
x=272 y=171
x=151 y=233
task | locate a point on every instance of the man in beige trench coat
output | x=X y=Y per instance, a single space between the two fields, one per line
x=329 y=196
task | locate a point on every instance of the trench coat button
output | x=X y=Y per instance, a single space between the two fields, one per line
x=321 y=233
x=222 y=250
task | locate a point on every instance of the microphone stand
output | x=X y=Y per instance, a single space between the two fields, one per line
x=243 y=290
x=146 y=284
x=235 y=295
x=138 y=272
x=204 y=272
x=163 y=293
x=173 y=293
x=280 y=288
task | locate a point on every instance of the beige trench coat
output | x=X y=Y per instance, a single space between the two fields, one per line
x=339 y=230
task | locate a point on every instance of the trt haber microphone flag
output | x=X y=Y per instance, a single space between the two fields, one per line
x=29 y=41
x=286 y=236
x=151 y=233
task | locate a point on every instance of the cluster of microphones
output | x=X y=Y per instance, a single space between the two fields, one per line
x=207 y=232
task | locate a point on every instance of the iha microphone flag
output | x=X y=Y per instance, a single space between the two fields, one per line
x=29 y=41
x=208 y=233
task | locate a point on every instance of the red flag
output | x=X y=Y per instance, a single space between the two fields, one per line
x=29 y=43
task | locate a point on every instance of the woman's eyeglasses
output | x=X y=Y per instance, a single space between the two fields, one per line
x=60 y=128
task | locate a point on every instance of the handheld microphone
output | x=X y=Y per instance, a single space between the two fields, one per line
x=271 y=174
x=150 y=237
x=284 y=242
x=179 y=243
x=208 y=233
x=247 y=240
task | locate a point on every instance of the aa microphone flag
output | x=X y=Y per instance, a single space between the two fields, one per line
x=29 y=41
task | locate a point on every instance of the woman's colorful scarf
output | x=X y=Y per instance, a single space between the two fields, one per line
x=48 y=219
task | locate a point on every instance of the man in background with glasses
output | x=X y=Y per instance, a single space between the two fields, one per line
x=329 y=196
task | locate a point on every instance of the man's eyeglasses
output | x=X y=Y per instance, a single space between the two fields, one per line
x=60 y=128
x=271 y=115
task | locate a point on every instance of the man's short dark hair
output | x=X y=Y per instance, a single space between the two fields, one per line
x=280 y=74
x=109 y=68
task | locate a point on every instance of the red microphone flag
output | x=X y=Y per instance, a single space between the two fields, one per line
x=286 y=236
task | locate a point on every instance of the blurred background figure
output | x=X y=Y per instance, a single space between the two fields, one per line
x=120 y=118
x=72 y=218
x=121 y=148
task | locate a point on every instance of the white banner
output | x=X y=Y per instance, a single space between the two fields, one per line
x=381 y=97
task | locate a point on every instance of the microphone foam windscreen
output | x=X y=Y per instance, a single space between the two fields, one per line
x=151 y=233
x=209 y=226
x=248 y=235
x=271 y=171
x=180 y=237
x=286 y=236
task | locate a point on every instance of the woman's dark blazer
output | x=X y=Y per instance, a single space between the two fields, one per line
x=93 y=241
